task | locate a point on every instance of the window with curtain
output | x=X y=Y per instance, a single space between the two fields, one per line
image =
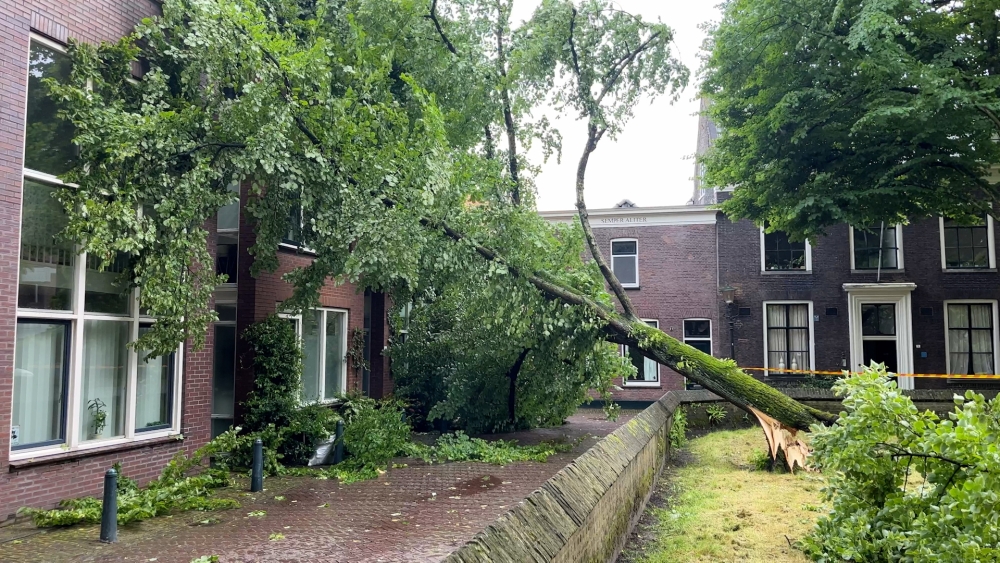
x=323 y=334
x=788 y=338
x=876 y=247
x=74 y=371
x=966 y=246
x=970 y=339
x=224 y=369
x=625 y=261
x=646 y=370
x=783 y=254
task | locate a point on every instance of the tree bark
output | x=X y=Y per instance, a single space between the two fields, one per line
x=512 y=374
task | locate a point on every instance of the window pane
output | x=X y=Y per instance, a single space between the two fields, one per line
x=697 y=328
x=226 y=312
x=334 y=367
x=106 y=290
x=311 y=323
x=783 y=254
x=624 y=269
x=48 y=140
x=105 y=368
x=153 y=390
x=294 y=234
x=224 y=371
x=39 y=376
x=47 y=263
x=623 y=247
x=227 y=256
x=229 y=215
x=981 y=315
x=220 y=425
x=703 y=345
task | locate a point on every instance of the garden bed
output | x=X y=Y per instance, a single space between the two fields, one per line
x=716 y=502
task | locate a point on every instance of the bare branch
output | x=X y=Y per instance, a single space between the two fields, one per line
x=508 y=115
x=618 y=68
x=437 y=25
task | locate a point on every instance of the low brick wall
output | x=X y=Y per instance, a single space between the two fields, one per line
x=587 y=510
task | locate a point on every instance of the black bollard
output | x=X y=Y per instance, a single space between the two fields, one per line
x=257 y=472
x=109 y=512
x=338 y=443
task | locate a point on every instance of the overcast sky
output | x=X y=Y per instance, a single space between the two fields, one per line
x=651 y=161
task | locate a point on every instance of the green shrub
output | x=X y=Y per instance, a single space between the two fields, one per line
x=374 y=431
x=716 y=414
x=175 y=489
x=904 y=485
x=460 y=447
x=678 y=429
x=290 y=432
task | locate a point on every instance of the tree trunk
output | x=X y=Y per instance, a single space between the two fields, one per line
x=512 y=374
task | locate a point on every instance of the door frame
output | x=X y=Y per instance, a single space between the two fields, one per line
x=878 y=293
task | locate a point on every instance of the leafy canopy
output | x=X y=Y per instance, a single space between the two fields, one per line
x=835 y=111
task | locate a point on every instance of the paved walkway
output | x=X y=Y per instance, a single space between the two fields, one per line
x=417 y=513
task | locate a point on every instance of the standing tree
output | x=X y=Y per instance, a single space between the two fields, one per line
x=851 y=111
x=378 y=120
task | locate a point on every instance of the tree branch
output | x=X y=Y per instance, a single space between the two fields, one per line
x=508 y=116
x=618 y=68
x=437 y=25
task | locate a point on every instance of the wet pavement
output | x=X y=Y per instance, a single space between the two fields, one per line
x=415 y=513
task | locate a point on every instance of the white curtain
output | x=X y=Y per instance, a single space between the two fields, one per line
x=335 y=352
x=982 y=338
x=798 y=338
x=152 y=391
x=38 y=382
x=105 y=376
x=777 y=346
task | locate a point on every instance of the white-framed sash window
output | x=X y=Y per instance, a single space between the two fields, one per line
x=77 y=382
x=625 y=261
x=323 y=336
x=877 y=247
x=788 y=337
x=967 y=247
x=780 y=254
x=971 y=336
x=647 y=370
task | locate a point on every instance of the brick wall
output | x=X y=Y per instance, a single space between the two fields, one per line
x=740 y=266
x=677 y=281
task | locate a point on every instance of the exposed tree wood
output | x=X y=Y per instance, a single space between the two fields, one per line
x=512 y=374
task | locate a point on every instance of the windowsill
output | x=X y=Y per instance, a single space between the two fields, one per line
x=783 y=272
x=297 y=249
x=969 y=270
x=630 y=286
x=641 y=385
x=48 y=457
x=884 y=271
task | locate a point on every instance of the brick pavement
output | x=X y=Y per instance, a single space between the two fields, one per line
x=417 y=513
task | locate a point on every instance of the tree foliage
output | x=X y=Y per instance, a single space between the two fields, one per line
x=380 y=124
x=851 y=111
x=905 y=485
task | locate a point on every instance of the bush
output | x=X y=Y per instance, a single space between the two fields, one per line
x=290 y=432
x=905 y=485
x=374 y=431
x=460 y=447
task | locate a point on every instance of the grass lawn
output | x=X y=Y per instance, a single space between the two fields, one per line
x=714 y=505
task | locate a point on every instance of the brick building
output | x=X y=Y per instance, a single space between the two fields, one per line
x=65 y=366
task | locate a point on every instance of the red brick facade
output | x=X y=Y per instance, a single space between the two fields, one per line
x=43 y=481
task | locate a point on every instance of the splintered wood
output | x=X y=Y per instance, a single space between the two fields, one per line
x=783 y=438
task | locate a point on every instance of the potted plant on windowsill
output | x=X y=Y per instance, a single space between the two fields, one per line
x=99 y=417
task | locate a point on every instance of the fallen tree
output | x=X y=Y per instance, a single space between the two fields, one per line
x=373 y=125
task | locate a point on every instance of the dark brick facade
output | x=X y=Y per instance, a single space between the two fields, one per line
x=43 y=482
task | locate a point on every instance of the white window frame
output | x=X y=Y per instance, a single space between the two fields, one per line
x=321 y=383
x=709 y=339
x=636 y=257
x=990 y=241
x=76 y=316
x=227 y=300
x=763 y=259
x=996 y=334
x=859 y=294
x=232 y=231
x=812 y=335
x=624 y=351
x=899 y=251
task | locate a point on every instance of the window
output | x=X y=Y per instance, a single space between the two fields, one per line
x=295 y=221
x=228 y=236
x=76 y=379
x=780 y=254
x=224 y=368
x=870 y=254
x=647 y=370
x=698 y=334
x=971 y=338
x=967 y=247
x=323 y=333
x=788 y=337
x=625 y=261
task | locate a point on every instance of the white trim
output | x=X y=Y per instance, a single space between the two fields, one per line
x=611 y=247
x=899 y=251
x=763 y=264
x=996 y=335
x=638 y=216
x=52 y=44
x=655 y=323
x=877 y=293
x=812 y=332
x=710 y=340
x=990 y=241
